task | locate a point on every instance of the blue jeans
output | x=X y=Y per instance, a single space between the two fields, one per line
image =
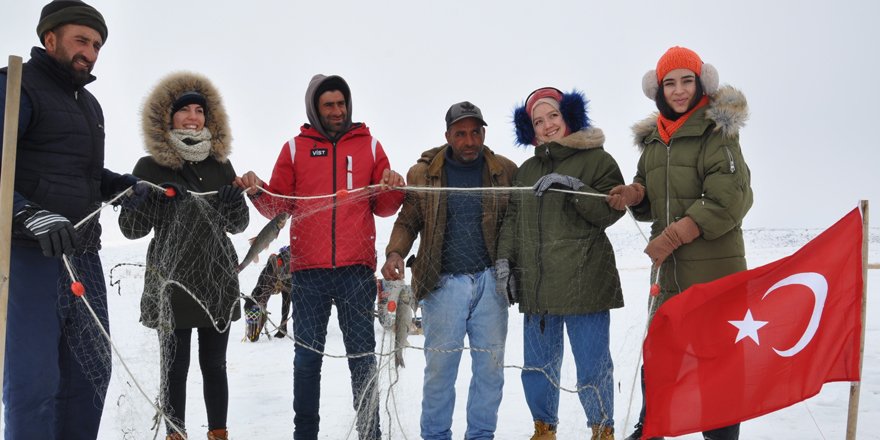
x=353 y=290
x=57 y=364
x=588 y=336
x=464 y=304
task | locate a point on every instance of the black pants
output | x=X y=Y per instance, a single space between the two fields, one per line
x=212 y=361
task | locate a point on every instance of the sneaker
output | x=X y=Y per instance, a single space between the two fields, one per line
x=637 y=434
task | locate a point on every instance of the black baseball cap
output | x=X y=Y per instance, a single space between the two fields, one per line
x=461 y=111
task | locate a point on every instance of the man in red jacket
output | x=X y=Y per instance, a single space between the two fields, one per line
x=332 y=244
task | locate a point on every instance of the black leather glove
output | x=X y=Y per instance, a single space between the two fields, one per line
x=505 y=284
x=180 y=193
x=56 y=234
x=560 y=180
x=230 y=194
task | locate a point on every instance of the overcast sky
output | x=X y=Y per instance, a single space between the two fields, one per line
x=808 y=69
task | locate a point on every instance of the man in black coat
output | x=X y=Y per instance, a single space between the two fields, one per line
x=57 y=360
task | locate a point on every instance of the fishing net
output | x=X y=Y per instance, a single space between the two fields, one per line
x=344 y=317
x=185 y=257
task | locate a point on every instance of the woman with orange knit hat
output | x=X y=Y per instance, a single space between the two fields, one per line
x=691 y=182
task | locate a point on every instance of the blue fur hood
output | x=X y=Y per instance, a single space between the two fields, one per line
x=573 y=107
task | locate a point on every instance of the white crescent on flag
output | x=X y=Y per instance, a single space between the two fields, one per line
x=819 y=286
x=748 y=327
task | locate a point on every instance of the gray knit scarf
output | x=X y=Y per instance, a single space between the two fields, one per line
x=192 y=145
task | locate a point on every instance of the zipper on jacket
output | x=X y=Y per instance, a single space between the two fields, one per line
x=668 y=161
x=540 y=245
x=730 y=160
x=668 y=207
x=333 y=215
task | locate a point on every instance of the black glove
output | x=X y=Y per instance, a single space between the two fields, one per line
x=230 y=194
x=55 y=233
x=135 y=196
x=545 y=182
x=505 y=284
x=180 y=193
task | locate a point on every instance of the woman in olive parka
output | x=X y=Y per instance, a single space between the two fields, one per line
x=692 y=182
x=191 y=281
x=554 y=242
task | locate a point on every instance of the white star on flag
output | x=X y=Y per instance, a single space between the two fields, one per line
x=748 y=328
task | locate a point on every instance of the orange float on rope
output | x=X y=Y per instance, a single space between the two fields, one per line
x=392 y=306
x=655 y=289
x=77 y=288
x=170 y=192
x=341 y=194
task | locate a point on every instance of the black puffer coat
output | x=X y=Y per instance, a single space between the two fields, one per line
x=191 y=278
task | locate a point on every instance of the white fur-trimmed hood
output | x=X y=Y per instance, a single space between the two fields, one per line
x=585 y=139
x=156 y=118
x=727 y=108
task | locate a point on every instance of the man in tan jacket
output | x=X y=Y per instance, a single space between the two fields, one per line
x=453 y=273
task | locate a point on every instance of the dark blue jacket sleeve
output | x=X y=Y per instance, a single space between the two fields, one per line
x=24 y=116
x=114 y=183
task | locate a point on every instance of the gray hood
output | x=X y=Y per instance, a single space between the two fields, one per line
x=312 y=100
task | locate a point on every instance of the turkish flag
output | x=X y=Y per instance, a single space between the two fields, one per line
x=759 y=340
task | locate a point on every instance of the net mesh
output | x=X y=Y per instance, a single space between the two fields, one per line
x=191 y=260
x=187 y=276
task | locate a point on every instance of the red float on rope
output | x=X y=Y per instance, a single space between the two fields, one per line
x=77 y=288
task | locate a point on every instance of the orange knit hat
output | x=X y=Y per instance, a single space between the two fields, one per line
x=678 y=57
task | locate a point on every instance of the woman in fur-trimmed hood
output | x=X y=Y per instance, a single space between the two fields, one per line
x=692 y=181
x=561 y=259
x=191 y=279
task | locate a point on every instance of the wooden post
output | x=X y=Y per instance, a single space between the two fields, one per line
x=7 y=184
x=854 y=389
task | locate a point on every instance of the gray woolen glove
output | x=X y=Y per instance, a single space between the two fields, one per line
x=545 y=182
x=56 y=234
x=505 y=284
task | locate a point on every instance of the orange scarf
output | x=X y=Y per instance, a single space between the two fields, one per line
x=668 y=127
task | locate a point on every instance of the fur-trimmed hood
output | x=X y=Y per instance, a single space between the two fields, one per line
x=586 y=139
x=727 y=108
x=573 y=108
x=156 y=118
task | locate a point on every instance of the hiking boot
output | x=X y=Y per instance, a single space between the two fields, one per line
x=602 y=432
x=544 y=431
x=637 y=434
x=218 y=434
x=175 y=436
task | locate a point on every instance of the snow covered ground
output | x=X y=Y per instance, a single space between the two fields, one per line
x=260 y=373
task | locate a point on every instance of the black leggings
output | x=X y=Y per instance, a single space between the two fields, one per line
x=212 y=361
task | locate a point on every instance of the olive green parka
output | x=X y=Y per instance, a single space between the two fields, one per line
x=559 y=254
x=701 y=173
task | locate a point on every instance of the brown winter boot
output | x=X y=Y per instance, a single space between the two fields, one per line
x=218 y=434
x=602 y=432
x=544 y=431
x=175 y=436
